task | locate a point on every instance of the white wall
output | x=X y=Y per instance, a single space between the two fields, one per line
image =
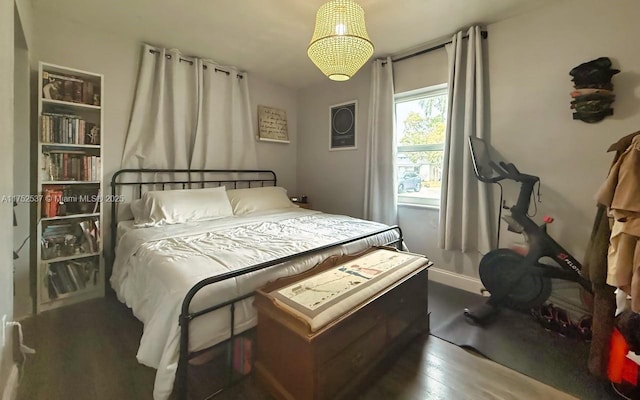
x=25 y=12
x=529 y=59
x=6 y=181
x=333 y=180
x=281 y=157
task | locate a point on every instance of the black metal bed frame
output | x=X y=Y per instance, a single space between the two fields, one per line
x=186 y=316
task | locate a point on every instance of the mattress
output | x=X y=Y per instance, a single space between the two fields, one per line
x=155 y=268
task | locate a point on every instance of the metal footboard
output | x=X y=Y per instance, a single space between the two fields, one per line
x=181 y=388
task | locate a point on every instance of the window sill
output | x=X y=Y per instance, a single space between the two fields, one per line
x=420 y=206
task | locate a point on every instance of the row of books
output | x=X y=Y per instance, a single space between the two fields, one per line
x=71 y=166
x=52 y=203
x=58 y=200
x=62 y=87
x=70 y=238
x=68 y=129
x=70 y=276
x=91 y=231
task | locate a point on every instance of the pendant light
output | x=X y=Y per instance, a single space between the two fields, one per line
x=340 y=44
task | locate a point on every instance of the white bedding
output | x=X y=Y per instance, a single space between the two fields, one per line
x=155 y=267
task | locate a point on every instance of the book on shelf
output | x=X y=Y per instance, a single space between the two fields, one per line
x=59 y=86
x=61 y=279
x=55 y=283
x=87 y=92
x=70 y=237
x=51 y=291
x=59 y=240
x=96 y=207
x=86 y=271
x=91 y=235
x=78 y=274
x=96 y=222
x=78 y=280
x=56 y=86
x=81 y=199
x=70 y=276
x=51 y=200
x=70 y=165
x=59 y=128
x=67 y=281
x=58 y=229
x=61 y=200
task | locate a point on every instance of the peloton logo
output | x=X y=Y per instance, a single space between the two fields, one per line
x=565 y=257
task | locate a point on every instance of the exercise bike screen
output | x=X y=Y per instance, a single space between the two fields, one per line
x=481 y=158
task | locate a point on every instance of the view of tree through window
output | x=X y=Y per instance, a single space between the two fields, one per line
x=420 y=126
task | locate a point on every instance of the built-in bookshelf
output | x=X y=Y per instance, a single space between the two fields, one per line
x=68 y=220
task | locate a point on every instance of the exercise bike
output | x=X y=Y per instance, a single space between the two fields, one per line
x=512 y=279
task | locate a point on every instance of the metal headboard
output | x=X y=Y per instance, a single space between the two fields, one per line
x=143 y=180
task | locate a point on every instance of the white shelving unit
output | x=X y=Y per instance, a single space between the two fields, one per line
x=69 y=217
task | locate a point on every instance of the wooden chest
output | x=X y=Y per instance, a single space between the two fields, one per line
x=330 y=363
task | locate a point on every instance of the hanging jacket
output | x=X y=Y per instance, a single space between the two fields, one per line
x=621 y=193
x=595 y=267
x=621 y=190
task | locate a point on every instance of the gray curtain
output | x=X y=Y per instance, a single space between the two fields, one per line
x=189 y=113
x=465 y=206
x=380 y=198
x=163 y=120
x=224 y=137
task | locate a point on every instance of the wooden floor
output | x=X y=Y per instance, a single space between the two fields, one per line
x=88 y=351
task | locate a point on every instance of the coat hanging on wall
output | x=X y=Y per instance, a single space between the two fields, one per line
x=593 y=94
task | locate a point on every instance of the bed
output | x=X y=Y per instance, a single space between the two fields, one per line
x=187 y=264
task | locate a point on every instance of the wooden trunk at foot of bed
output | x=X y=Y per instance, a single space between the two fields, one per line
x=339 y=358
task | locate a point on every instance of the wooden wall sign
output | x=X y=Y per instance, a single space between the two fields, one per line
x=272 y=125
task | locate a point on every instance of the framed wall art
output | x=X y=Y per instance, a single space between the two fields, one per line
x=343 y=126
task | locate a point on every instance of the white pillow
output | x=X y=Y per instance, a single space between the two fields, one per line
x=245 y=201
x=180 y=206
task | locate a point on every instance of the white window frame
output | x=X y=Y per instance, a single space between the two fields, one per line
x=430 y=91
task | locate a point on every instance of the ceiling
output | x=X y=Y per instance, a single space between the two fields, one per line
x=269 y=38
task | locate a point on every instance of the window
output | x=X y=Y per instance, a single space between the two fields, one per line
x=420 y=128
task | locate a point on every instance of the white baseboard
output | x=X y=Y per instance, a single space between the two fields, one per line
x=456 y=280
x=11 y=389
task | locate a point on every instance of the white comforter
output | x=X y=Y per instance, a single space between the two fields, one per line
x=155 y=267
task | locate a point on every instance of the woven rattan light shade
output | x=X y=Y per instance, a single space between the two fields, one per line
x=340 y=44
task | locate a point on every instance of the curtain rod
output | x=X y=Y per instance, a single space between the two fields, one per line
x=483 y=34
x=204 y=66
